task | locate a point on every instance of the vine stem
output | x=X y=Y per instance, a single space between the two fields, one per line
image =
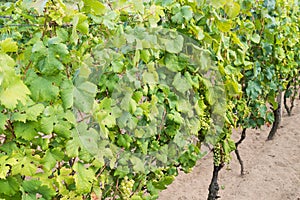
x=214 y=186
x=117 y=183
x=10 y=127
x=45 y=24
x=293 y=96
x=243 y=136
x=26 y=69
x=102 y=169
x=277 y=114
x=285 y=100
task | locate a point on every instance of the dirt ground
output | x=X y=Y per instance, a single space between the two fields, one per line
x=272 y=168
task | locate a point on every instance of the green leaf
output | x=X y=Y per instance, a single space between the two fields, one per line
x=34 y=111
x=127 y=120
x=46 y=124
x=150 y=77
x=88 y=138
x=38 y=5
x=138 y=164
x=136 y=58
x=161 y=184
x=33 y=187
x=43 y=90
x=187 y=12
x=39 y=49
x=172 y=63
x=62 y=129
x=10 y=186
x=3 y=119
x=232 y=87
x=50 y=65
x=8 y=45
x=84 y=94
x=181 y=84
x=83 y=178
x=83 y=25
x=52 y=156
x=62 y=34
x=175 y=45
x=137 y=96
x=270 y=4
x=26 y=130
x=73 y=145
x=66 y=93
x=255 y=38
x=145 y=55
x=74 y=36
x=253 y=89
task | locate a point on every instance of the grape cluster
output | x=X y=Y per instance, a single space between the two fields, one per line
x=126 y=188
x=217 y=155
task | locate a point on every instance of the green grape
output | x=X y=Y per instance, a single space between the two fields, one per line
x=126 y=187
x=217 y=155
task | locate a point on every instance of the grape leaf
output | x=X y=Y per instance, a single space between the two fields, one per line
x=52 y=156
x=175 y=45
x=46 y=124
x=83 y=178
x=217 y=3
x=16 y=91
x=181 y=84
x=33 y=187
x=8 y=45
x=232 y=9
x=66 y=93
x=24 y=166
x=187 y=12
x=94 y=6
x=29 y=113
x=138 y=164
x=3 y=119
x=255 y=38
x=4 y=168
x=43 y=90
x=26 y=130
x=84 y=94
x=38 y=5
x=9 y=186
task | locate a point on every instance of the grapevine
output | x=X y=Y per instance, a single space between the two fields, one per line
x=111 y=99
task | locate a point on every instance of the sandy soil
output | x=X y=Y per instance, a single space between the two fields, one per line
x=272 y=168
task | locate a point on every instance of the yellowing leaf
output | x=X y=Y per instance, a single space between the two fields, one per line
x=224 y=25
x=217 y=3
x=94 y=6
x=16 y=91
x=83 y=178
x=3 y=167
x=8 y=45
x=232 y=9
